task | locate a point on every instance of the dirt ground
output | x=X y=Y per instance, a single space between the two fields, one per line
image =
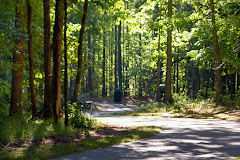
x=105 y=131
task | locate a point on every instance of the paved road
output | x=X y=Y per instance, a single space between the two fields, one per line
x=111 y=108
x=183 y=139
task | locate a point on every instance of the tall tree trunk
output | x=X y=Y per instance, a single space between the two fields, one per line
x=47 y=111
x=140 y=83
x=104 y=65
x=111 y=75
x=177 y=72
x=80 y=52
x=17 y=67
x=217 y=55
x=159 y=95
x=90 y=89
x=57 y=51
x=198 y=79
x=168 y=92
x=174 y=74
x=65 y=64
x=116 y=55
x=119 y=56
x=193 y=81
x=31 y=62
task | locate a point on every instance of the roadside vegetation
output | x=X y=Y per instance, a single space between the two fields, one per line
x=64 y=142
x=184 y=107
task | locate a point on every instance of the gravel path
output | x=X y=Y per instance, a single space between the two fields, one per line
x=182 y=138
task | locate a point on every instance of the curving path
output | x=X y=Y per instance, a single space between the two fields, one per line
x=182 y=138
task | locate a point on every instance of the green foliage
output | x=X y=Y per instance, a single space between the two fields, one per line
x=77 y=118
x=21 y=127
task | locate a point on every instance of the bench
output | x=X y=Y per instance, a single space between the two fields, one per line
x=86 y=104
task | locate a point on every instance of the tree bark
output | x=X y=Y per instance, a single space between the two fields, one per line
x=65 y=64
x=90 y=88
x=217 y=55
x=17 y=67
x=159 y=96
x=31 y=62
x=104 y=65
x=47 y=111
x=140 y=83
x=119 y=57
x=57 y=50
x=116 y=55
x=80 y=52
x=177 y=88
x=168 y=92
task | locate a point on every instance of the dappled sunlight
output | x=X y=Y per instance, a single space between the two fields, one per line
x=187 y=138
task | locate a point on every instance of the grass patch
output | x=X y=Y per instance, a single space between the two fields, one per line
x=184 y=108
x=44 y=151
x=20 y=128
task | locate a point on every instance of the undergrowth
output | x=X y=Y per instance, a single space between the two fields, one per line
x=21 y=127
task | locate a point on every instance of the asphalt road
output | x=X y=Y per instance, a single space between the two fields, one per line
x=182 y=139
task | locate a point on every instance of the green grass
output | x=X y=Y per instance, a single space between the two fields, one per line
x=20 y=128
x=184 y=108
x=55 y=150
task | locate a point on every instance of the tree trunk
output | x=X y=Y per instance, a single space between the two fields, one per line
x=193 y=81
x=57 y=51
x=224 y=84
x=17 y=67
x=116 y=65
x=217 y=55
x=168 y=92
x=47 y=111
x=159 y=96
x=65 y=64
x=31 y=62
x=90 y=89
x=80 y=52
x=140 y=83
x=119 y=57
x=177 y=72
x=103 y=67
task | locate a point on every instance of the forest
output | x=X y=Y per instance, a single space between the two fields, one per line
x=52 y=51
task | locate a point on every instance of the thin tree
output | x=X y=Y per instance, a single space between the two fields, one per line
x=217 y=54
x=80 y=52
x=104 y=65
x=116 y=64
x=57 y=49
x=47 y=111
x=119 y=56
x=90 y=88
x=17 y=67
x=31 y=62
x=168 y=92
x=65 y=64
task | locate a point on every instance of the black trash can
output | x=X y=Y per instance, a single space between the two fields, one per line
x=117 y=95
x=162 y=90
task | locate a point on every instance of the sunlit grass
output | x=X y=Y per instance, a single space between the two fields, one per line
x=185 y=108
x=46 y=151
x=21 y=128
